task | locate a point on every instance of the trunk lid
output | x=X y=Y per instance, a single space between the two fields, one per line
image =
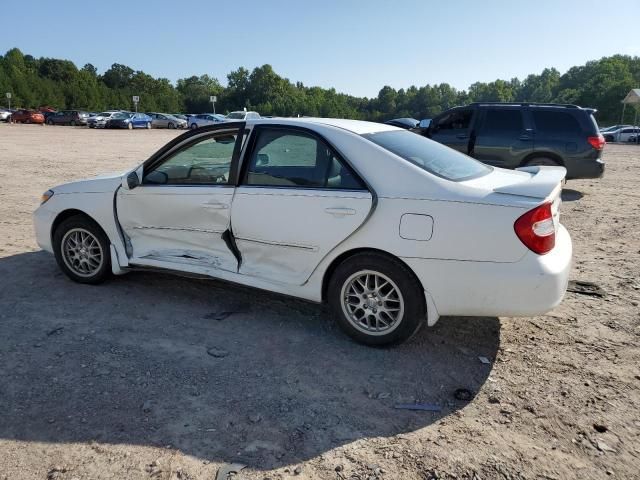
x=538 y=183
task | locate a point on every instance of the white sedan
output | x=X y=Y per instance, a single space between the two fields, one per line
x=391 y=229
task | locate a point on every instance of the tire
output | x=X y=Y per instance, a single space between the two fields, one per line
x=193 y=126
x=608 y=138
x=148 y=125
x=72 y=123
x=49 y=122
x=130 y=126
x=541 y=161
x=90 y=262
x=171 y=126
x=28 y=122
x=360 y=320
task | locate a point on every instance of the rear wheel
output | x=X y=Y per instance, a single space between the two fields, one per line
x=376 y=300
x=72 y=123
x=542 y=161
x=148 y=125
x=130 y=126
x=49 y=122
x=193 y=126
x=82 y=250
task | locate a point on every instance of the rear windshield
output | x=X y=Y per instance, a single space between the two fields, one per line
x=429 y=155
x=236 y=115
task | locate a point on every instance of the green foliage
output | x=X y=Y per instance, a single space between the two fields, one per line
x=35 y=82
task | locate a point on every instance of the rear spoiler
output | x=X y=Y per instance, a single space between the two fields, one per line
x=542 y=184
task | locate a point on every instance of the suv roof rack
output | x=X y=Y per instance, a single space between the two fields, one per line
x=528 y=104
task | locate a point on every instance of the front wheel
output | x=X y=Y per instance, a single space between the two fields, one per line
x=376 y=300
x=148 y=125
x=72 y=123
x=130 y=126
x=193 y=126
x=171 y=126
x=82 y=250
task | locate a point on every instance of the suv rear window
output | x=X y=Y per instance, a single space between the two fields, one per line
x=555 y=122
x=430 y=156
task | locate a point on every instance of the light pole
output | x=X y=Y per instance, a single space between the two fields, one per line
x=9 y=99
x=213 y=100
x=136 y=99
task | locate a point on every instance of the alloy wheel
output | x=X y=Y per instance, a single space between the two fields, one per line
x=372 y=302
x=82 y=252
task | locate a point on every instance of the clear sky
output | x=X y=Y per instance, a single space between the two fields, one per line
x=356 y=46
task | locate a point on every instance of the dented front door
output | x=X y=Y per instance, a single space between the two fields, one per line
x=179 y=213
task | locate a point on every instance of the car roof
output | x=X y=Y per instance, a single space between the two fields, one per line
x=358 y=127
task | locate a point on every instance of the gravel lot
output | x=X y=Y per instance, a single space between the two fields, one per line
x=116 y=382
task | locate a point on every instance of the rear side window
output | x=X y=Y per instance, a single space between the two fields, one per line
x=502 y=120
x=559 y=123
x=287 y=158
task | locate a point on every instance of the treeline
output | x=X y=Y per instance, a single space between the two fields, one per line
x=34 y=82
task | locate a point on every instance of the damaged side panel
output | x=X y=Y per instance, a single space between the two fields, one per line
x=178 y=225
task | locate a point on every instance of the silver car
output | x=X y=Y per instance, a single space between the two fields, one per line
x=100 y=120
x=165 y=120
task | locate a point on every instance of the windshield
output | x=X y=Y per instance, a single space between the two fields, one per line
x=121 y=115
x=236 y=115
x=104 y=114
x=429 y=155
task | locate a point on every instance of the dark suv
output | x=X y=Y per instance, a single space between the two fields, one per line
x=68 y=117
x=511 y=135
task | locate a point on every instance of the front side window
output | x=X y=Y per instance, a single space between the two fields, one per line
x=454 y=120
x=206 y=162
x=431 y=156
x=502 y=120
x=287 y=158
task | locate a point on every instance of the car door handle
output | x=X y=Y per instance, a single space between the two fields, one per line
x=340 y=212
x=215 y=206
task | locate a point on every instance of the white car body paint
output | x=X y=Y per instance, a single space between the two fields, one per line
x=457 y=237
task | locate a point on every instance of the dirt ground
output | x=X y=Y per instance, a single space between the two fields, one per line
x=115 y=382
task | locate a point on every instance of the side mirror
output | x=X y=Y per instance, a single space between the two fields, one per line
x=425 y=123
x=263 y=159
x=132 y=180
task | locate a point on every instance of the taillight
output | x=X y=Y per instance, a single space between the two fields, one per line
x=536 y=229
x=597 y=142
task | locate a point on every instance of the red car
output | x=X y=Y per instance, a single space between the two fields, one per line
x=27 y=116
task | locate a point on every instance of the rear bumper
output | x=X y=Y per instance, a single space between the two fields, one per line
x=532 y=286
x=585 y=169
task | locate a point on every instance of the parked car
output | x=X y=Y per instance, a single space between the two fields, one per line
x=129 y=120
x=4 y=115
x=512 y=135
x=202 y=119
x=100 y=120
x=242 y=115
x=621 y=134
x=407 y=123
x=165 y=120
x=388 y=227
x=614 y=127
x=68 y=117
x=27 y=116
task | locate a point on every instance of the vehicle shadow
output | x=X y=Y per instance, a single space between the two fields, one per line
x=570 y=195
x=218 y=371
